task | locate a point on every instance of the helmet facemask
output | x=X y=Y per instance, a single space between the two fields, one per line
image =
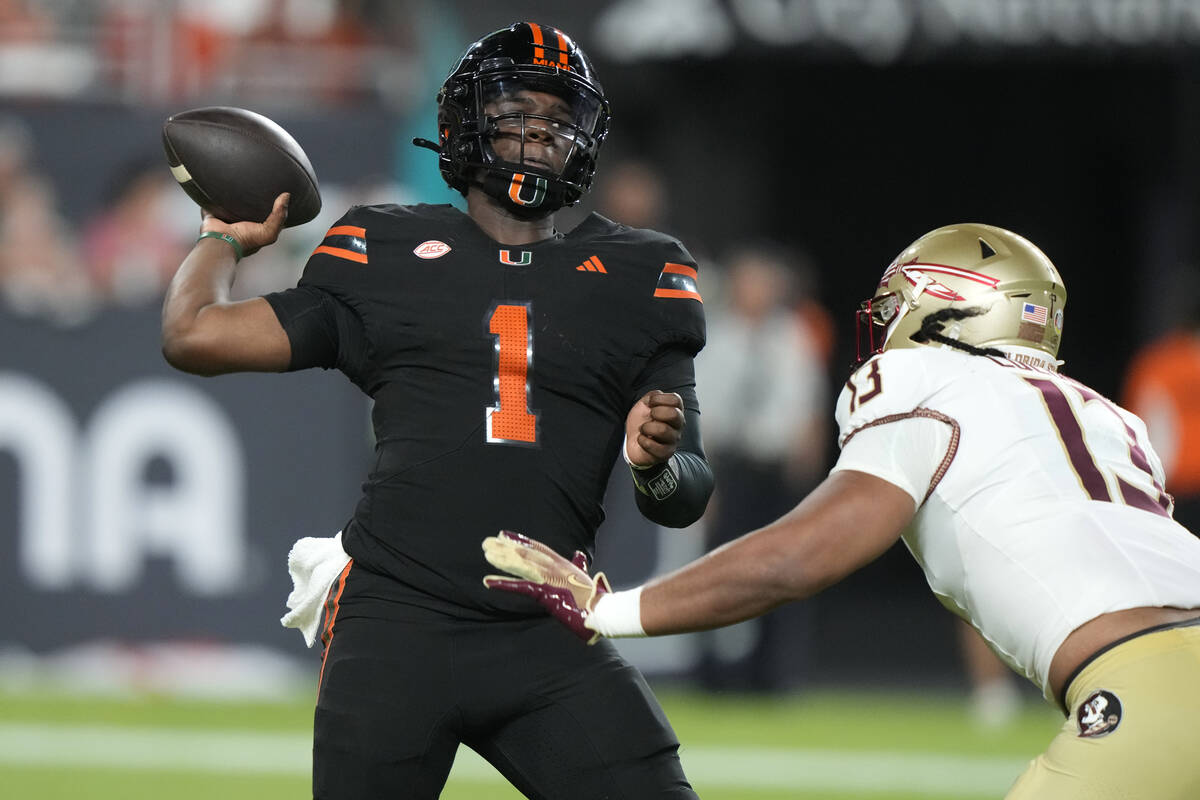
x=522 y=117
x=873 y=322
x=536 y=141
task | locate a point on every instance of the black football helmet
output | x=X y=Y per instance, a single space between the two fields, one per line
x=487 y=93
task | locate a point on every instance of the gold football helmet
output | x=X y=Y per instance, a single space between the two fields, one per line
x=972 y=286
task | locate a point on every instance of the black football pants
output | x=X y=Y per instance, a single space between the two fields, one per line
x=559 y=719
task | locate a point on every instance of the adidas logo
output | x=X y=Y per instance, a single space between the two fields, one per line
x=591 y=265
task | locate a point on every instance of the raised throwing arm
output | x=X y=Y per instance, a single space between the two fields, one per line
x=205 y=333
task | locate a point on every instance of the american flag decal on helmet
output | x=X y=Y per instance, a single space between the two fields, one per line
x=345 y=241
x=1032 y=312
x=678 y=280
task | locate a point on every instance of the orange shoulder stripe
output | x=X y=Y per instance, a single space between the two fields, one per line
x=681 y=269
x=346 y=230
x=678 y=293
x=340 y=252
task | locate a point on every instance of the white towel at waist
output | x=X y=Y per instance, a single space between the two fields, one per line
x=314 y=565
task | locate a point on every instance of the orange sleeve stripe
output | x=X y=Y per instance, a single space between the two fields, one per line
x=346 y=230
x=678 y=293
x=681 y=269
x=340 y=252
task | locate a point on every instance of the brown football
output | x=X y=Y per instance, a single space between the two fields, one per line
x=235 y=162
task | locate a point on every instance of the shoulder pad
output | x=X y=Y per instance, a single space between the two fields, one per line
x=340 y=264
x=345 y=244
x=892 y=383
x=342 y=261
x=675 y=303
x=598 y=226
x=665 y=299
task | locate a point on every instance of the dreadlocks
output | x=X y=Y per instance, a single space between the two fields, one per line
x=933 y=324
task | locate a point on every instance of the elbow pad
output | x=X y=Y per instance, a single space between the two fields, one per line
x=675 y=493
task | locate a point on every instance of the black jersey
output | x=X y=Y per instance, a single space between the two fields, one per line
x=501 y=375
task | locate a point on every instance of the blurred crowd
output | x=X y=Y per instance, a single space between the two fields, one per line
x=763 y=380
x=277 y=51
x=1162 y=386
x=42 y=270
x=263 y=54
x=123 y=252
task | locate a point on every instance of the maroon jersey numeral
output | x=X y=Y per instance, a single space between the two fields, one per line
x=510 y=421
x=876 y=387
x=1083 y=463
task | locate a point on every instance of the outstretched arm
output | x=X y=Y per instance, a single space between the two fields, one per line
x=848 y=521
x=203 y=331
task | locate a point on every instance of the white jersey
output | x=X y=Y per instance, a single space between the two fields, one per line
x=1040 y=502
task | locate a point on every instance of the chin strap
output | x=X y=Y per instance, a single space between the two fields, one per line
x=525 y=194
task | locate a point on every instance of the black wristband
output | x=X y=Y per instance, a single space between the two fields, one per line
x=658 y=481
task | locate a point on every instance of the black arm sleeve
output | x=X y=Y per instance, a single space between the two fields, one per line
x=674 y=494
x=323 y=331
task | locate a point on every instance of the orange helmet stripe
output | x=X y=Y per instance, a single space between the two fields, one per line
x=562 y=49
x=538 y=40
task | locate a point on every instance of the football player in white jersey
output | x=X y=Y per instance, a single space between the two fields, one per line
x=1035 y=506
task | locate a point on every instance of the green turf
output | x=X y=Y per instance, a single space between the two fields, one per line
x=850 y=721
x=98 y=784
x=106 y=785
x=855 y=720
x=154 y=709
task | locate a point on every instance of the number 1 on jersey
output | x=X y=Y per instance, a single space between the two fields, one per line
x=510 y=421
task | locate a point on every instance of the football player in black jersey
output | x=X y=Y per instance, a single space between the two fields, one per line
x=510 y=365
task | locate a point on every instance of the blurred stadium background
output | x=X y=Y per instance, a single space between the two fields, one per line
x=145 y=515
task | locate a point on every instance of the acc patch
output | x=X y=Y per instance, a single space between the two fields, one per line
x=1098 y=715
x=431 y=248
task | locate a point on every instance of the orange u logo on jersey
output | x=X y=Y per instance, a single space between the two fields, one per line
x=527 y=193
x=524 y=260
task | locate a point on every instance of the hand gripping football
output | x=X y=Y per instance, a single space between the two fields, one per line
x=235 y=162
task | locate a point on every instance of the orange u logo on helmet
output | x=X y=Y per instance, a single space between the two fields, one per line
x=517 y=190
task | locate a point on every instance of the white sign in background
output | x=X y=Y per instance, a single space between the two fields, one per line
x=88 y=513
